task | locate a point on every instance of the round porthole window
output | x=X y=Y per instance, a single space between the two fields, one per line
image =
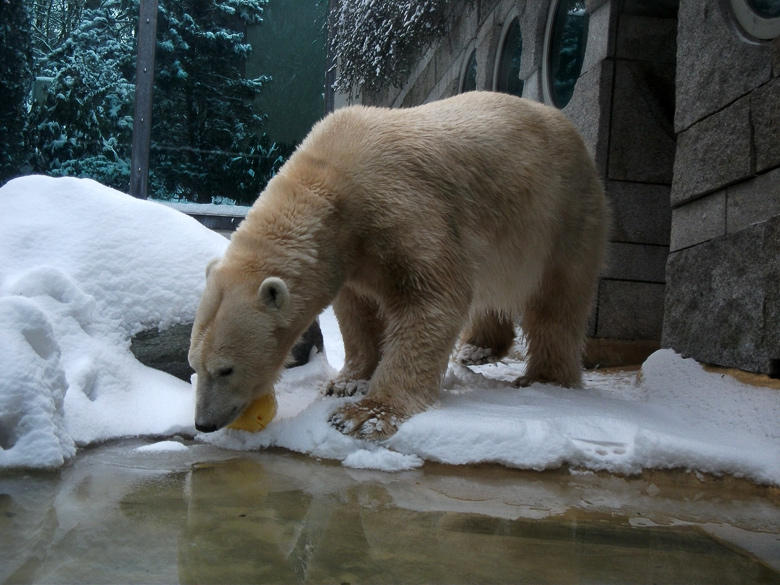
x=758 y=18
x=508 y=72
x=565 y=40
x=469 y=78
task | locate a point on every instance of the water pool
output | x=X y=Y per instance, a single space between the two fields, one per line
x=205 y=515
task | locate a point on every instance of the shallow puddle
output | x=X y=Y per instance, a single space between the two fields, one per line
x=203 y=515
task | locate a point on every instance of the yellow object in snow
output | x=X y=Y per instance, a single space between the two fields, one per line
x=257 y=415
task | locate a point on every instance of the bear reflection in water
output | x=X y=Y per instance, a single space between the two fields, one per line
x=249 y=524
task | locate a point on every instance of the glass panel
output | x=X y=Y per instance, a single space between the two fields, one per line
x=470 y=75
x=235 y=91
x=567 y=49
x=238 y=83
x=80 y=119
x=509 y=66
x=765 y=8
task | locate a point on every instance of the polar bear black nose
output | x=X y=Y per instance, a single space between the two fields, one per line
x=206 y=428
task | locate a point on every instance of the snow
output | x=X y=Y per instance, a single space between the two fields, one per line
x=84 y=267
x=162 y=447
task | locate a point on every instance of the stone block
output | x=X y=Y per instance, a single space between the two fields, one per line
x=610 y=353
x=776 y=61
x=772 y=299
x=713 y=153
x=642 y=144
x=445 y=57
x=592 y=5
x=639 y=262
x=488 y=37
x=533 y=22
x=590 y=108
x=714 y=65
x=753 y=201
x=422 y=86
x=630 y=310
x=645 y=38
x=716 y=300
x=310 y=340
x=765 y=111
x=532 y=87
x=698 y=221
x=640 y=212
x=600 y=44
x=651 y=8
x=167 y=350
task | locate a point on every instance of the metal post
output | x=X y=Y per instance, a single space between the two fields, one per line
x=330 y=73
x=144 y=87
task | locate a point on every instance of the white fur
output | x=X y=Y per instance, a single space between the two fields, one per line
x=454 y=218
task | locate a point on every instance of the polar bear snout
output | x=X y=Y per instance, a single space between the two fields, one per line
x=205 y=427
x=212 y=415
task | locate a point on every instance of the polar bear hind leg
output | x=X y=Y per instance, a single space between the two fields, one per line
x=488 y=338
x=362 y=330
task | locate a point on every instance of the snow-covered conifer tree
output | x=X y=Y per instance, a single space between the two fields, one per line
x=375 y=43
x=83 y=125
x=206 y=133
x=15 y=86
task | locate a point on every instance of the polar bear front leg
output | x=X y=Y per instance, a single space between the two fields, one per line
x=361 y=329
x=406 y=381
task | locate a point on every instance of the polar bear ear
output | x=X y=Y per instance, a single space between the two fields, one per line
x=211 y=265
x=273 y=293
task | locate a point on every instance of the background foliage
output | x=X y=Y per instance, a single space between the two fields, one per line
x=15 y=81
x=206 y=132
x=375 y=43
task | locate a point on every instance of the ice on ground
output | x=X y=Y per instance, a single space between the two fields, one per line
x=84 y=267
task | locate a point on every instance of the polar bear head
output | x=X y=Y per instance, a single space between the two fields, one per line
x=239 y=343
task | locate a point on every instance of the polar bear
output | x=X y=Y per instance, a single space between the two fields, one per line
x=418 y=225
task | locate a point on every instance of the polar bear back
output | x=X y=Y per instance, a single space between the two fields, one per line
x=493 y=171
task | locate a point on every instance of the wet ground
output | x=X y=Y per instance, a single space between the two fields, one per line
x=204 y=515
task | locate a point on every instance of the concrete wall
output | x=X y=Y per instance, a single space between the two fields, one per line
x=723 y=304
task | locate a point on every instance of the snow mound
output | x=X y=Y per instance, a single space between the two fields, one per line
x=141 y=261
x=84 y=267
x=32 y=432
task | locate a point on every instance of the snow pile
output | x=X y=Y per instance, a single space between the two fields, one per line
x=83 y=268
x=33 y=389
x=675 y=416
x=87 y=266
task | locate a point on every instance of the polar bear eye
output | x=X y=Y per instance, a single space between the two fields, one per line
x=224 y=372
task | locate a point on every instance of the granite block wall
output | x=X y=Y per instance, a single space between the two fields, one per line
x=681 y=110
x=623 y=106
x=722 y=302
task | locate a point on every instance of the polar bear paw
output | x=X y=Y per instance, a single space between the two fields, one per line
x=342 y=387
x=367 y=419
x=473 y=355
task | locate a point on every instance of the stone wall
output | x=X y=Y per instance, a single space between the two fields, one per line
x=723 y=303
x=681 y=110
x=634 y=69
x=623 y=105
